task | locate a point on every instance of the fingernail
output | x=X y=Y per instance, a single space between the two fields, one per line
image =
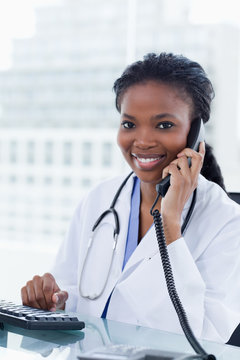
x=57 y=298
x=52 y=309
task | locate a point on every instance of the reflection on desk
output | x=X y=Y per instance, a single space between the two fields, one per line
x=7 y=354
x=66 y=345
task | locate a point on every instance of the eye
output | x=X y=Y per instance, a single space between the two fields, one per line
x=165 y=125
x=127 y=124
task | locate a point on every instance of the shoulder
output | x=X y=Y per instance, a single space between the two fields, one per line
x=211 y=196
x=109 y=184
x=215 y=219
x=109 y=187
x=101 y=195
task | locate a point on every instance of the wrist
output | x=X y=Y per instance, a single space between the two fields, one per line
x=172 y=230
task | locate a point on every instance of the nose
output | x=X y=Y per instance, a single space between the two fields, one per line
x=145 y=140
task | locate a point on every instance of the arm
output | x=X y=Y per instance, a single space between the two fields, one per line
x=65 y=268
x=43 y=291
x=183 y=183
x=208 y=282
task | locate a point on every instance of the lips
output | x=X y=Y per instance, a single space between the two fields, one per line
x=148 y=161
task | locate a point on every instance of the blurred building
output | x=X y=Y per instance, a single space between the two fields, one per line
x=62 y=79
x=44 y=173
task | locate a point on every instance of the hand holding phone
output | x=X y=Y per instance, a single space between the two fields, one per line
x=195 y=136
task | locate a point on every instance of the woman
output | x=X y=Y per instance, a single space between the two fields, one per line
x=158 y=99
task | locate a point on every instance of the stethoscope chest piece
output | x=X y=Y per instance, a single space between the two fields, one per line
x=101 y=247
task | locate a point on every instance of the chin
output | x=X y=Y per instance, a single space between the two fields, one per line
x=148 y=177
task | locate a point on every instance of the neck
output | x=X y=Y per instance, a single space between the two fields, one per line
x=149 y=194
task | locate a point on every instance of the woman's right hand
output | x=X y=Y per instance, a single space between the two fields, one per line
x=42 y=292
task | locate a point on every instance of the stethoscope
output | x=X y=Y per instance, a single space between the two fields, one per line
x=116 y=230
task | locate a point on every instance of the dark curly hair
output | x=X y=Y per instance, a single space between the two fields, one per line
x=191 y=81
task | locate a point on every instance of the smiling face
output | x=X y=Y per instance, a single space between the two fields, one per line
x=154 y=125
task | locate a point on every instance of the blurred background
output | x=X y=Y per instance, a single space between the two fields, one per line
x=58 y=123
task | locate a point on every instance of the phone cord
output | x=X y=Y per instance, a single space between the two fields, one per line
x=171 y=286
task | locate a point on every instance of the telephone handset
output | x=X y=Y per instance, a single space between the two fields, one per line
x=195 y=136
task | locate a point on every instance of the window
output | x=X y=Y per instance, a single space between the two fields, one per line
x=85 y=182
x=67 y=181
x=48 y=180
x=30 y=152
x=30 y=180
x=67 y=153
x=12 y=178
x=86 y=153
x=49 y=152
x=13 y=151
x=107 y=154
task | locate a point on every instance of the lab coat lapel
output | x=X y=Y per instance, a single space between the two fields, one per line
x=145 y=250
x=122 y=207
x=148 y=246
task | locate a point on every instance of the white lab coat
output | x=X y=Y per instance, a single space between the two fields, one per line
x=205 y=263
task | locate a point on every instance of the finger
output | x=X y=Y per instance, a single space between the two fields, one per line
x=49 y=287
x=196 y=158
x=24 y=296
x=165 y=172
x=59 y=299
x=202 y=149
x=196 y=163
x=188 y=153
x=32 y=301
x=174 y=170
x=191 y=153
x=183 y=166
x=176 y=176
x=39 y=293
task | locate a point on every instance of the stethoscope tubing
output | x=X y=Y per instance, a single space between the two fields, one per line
x=116 y=232
x=112 y=209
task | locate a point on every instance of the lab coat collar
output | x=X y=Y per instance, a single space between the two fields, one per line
x=127 y=191
x=148 y=247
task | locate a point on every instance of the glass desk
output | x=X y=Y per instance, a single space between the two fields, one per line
x=17 y=343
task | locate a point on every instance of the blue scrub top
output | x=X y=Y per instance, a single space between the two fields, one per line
x=133 y=225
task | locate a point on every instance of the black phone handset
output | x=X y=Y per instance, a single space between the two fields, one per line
x=195 y=136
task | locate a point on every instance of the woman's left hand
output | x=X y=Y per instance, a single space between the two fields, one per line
x=183 y=182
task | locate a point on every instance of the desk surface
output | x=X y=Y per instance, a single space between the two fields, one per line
x=66 y=345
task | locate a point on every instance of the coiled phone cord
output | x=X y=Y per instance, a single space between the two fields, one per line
x=171 y=286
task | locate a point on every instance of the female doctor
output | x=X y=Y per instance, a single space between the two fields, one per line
x=118 y=273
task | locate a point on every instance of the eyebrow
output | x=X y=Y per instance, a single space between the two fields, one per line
x=155 y=117
x=128 y=116
x=162 y=116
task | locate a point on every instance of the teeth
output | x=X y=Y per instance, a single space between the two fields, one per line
x=148 y=160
